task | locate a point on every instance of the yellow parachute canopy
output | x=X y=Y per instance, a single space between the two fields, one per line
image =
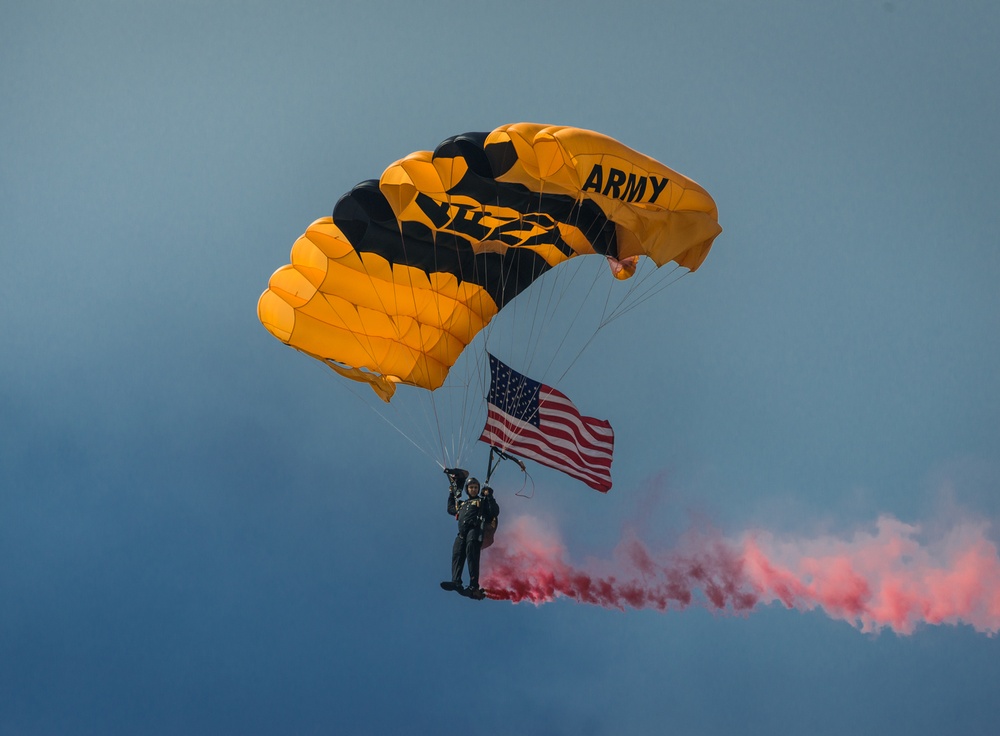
x=411 y=267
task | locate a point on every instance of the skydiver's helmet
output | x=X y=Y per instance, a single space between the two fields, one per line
x=469 y=482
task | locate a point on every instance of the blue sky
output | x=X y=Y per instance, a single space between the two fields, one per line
x=201 y=532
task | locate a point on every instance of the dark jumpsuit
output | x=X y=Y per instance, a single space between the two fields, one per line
x=473 y=515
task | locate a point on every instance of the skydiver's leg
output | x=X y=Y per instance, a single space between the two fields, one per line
x=457 y=559
x=473 y=547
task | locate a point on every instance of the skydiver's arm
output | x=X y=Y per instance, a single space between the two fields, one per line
x=492 y=510
x=492 y=507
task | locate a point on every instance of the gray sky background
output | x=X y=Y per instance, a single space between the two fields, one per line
x=201 y=533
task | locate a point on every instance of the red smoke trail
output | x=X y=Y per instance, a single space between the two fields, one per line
x=886 y=579
x=529 y=564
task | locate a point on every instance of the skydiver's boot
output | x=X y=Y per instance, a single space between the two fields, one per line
x=475 y=593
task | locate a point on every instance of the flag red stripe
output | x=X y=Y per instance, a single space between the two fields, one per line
x=584 y=434
x=562 y=438
x=600 y=482
x=553 y=400
x=597 y=478
x=553 y=445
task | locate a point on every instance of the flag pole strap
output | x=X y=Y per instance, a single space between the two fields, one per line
x=496 y=455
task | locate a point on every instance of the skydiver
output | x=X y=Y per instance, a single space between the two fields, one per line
x=476 y=516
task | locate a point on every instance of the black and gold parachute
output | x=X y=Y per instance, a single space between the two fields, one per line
x=411 y=266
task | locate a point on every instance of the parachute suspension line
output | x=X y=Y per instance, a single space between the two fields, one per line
x=436 y=395
x=574 y=321
x=472 y=368
x=621 y=310
x=462 y=376
x=466 y=372
x=529 y=345
x=578 y=355
x=456 y=383
x=408 y=437
x=604 y=309
x=534 y=313
x=433 y=397
x=503 y=340
x=507 y=313
x=355 y=390
x=562 y=284
x=517 y=396
x=512 y=308
x=601 y=325
x=532 y=340
x=593 y=333
x=555 y=281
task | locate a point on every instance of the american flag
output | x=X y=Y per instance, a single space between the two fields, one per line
x=535 y=421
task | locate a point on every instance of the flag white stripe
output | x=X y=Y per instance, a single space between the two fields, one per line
x=591 y=425
x=573 y=425
x=532 y=444
x=600 y=481
x=541 y=442
x=539 y=445
x=564 y=438
x=550 y=404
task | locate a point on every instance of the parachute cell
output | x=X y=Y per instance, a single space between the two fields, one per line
x=409 y=268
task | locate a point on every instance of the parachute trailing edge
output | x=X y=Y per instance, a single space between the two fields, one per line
x=410 y=267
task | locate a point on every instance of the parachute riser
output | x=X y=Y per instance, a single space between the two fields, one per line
x=496 y=455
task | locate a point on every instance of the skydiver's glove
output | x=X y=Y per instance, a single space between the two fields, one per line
x=456 y=477
x=487 y=491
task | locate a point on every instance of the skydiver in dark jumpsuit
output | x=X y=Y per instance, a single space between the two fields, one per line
x=476 y=516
